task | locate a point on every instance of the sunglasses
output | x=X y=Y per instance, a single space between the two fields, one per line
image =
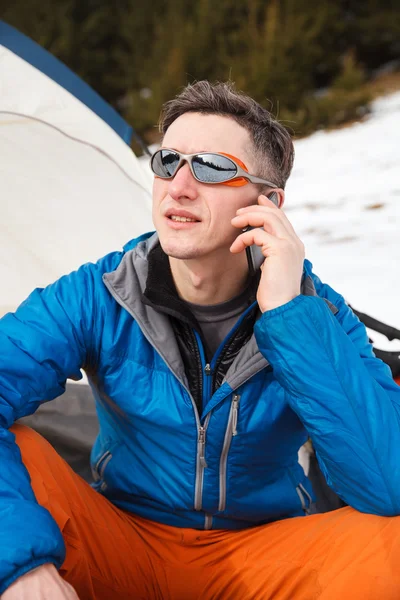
x=206 y=167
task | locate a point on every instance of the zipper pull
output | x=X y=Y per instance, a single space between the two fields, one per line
x=202 y=447
x=207 y=369
x=235 y=407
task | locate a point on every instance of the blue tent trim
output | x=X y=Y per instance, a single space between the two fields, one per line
x=45 y=62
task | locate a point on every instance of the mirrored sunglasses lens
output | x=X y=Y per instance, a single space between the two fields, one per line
x=213 y=168
x=164 y=163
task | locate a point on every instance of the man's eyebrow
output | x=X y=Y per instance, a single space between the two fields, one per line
x=180 y=151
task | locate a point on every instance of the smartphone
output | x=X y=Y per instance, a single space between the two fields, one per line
x=255 y=257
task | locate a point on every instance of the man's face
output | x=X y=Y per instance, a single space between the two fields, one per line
x=213 y=206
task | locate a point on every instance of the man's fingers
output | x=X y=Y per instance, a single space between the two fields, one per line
x=265 y=201
x=257 y=236
x=259 y=218
x=268 y=209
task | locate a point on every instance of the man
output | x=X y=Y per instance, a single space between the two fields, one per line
x=208 y=378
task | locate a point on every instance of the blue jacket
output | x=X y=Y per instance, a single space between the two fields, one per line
x=309 y=370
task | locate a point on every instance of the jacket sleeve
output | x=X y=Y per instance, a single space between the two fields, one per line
x=45 y=342
x=344 y=395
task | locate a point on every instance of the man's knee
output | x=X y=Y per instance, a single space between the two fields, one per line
x=27 y=438
x=357 y=554
x=47 y=470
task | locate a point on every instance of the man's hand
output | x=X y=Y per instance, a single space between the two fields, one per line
x=283 y=250
x=43 y=583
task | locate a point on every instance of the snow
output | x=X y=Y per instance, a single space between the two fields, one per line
x=343 y=199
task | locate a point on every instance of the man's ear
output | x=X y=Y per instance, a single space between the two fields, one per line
x=277 y=197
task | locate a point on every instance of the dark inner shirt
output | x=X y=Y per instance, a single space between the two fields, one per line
x=217 y=320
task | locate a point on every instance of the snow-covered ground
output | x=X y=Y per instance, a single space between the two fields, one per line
x=343 y=199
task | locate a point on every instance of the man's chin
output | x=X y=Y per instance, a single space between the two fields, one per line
x=181 y=252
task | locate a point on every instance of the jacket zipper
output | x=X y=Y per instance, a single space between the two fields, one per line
x=227 y=342
x=231 y=431
x=201 y=462
x=99 y=467
x=207 y=392
x=303 y=495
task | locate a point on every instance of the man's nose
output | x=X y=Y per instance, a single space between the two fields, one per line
x=183 y=184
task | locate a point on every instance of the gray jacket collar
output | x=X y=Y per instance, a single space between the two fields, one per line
x=127 y=283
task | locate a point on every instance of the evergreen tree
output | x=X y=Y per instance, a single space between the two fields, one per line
x=138 y=55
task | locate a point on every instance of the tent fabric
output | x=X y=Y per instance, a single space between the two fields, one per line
x=70 y=424
x=27 y=91
x=65 y=203
x=72 y=189
x=48 y=64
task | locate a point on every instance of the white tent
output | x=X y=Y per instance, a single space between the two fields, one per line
x=71 y=188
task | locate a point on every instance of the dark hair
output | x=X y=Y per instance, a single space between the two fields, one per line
x=272 y=143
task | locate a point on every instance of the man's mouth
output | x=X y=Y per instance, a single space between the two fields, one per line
x=182 y=219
